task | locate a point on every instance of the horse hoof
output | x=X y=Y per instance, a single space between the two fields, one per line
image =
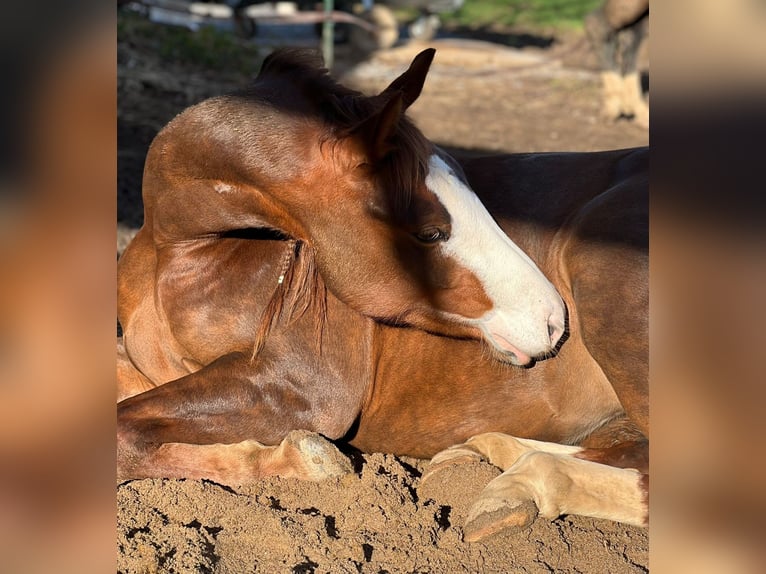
x=491 y=516
x=320 y=459
x=435 y=469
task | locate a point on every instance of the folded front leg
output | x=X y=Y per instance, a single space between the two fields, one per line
x=302 y=454
x=549 y=485
x=231 y=422
x=545 y=479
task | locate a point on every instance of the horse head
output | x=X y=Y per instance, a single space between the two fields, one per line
x=395 y=230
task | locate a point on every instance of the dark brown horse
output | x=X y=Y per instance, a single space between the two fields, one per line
x=311 y=265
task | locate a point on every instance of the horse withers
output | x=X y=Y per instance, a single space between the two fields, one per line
x=311 y=267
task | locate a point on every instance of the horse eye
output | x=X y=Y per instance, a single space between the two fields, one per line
x=432 y=235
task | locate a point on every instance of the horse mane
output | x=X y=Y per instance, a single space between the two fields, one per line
x=299 y=290
x=312 y=92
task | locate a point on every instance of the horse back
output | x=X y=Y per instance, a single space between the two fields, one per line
x=545 y=190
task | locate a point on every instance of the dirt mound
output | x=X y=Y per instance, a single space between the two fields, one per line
x=378 y=520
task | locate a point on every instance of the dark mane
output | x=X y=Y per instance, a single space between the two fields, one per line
x=296 y=81
x=299 y=290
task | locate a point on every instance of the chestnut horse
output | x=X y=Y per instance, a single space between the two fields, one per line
x=311 y=267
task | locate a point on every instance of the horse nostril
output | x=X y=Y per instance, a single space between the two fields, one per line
x=555 y=330
x=552 y=334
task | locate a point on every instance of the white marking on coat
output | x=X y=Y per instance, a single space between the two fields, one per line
x=523 y=298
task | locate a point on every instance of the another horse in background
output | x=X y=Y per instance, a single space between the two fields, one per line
x=617 y=31
x=312 y=266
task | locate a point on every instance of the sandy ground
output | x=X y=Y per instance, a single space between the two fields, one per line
x=377 y=520
x=479 y=97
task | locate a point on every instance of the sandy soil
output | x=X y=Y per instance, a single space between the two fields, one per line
x=377 y=520
x=479 y=97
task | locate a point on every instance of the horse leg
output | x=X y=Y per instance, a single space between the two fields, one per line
x=301 y=454
x=223 y=422
x=551 y=485
x=603 y=39
x=497 y=448
x=633 y=102
x=607 y=266
x=544 y=479
x=612 y=94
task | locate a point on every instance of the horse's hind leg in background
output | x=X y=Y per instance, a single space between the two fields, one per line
x=608 y=269
x=603 y=39
x=616 y=30
x=205 y=425
x=633 y=101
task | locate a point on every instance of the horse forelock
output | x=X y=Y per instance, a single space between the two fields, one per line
x=405 y=167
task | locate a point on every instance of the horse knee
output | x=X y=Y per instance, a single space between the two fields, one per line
x=309 y=456
x=602 y=38
x=596 y=26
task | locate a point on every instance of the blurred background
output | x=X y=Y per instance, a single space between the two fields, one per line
x=509 y=75
x=87 y=84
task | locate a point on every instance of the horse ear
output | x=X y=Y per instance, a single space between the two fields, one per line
x=376 y=131
x=410 y=83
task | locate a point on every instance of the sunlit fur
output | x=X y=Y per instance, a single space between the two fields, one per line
x=373 y=337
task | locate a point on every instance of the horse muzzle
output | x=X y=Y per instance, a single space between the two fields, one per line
x=520 y=342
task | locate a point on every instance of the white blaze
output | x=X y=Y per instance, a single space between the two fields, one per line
x=524 y=301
